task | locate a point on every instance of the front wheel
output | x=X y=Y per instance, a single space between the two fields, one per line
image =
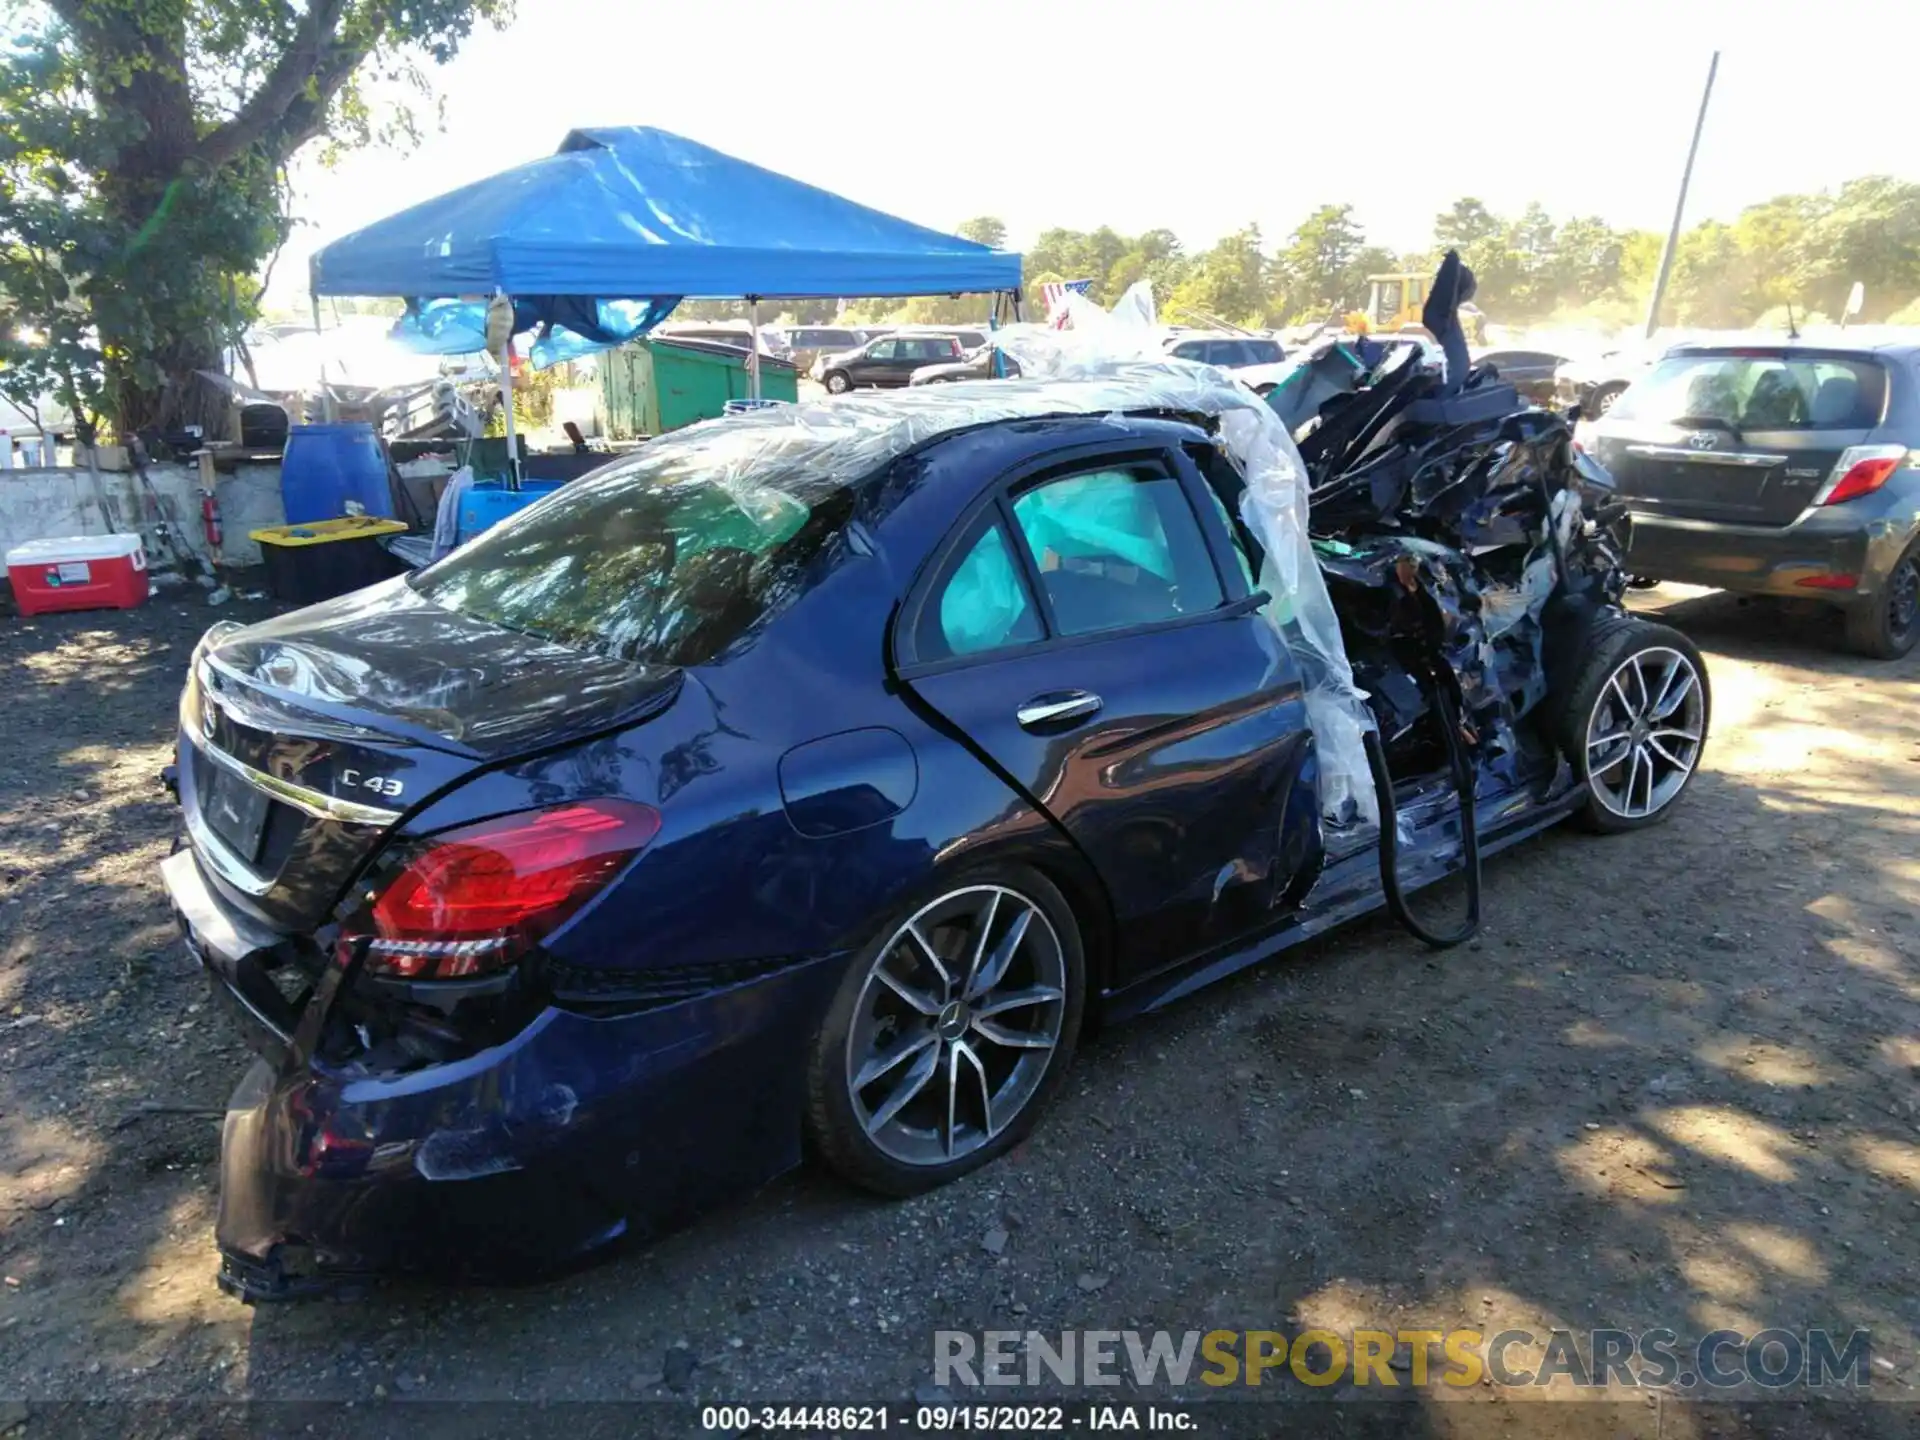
x=1602 y=400
x=949 y=1033
x=838 y=382
x=1635 y=724
x=1887 y=626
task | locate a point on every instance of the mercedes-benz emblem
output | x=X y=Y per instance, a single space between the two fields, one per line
x=1703 y=439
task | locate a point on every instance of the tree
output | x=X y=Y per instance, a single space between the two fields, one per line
x=1468 y=222
x=143 y=146
x=988 y=230
x=1316 y=273
x=1325 y=266
x=1870 y=234
x=1229 y=281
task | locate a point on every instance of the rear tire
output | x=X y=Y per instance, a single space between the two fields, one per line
x=838 y=382
x=1635 y=724
x=985 y=974
x=1601 y=401
x=1887 y=626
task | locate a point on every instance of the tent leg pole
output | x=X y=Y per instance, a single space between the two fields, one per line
x=506 y=400
x=753 y=353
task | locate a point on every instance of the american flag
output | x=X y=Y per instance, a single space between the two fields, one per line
x=1055 y=293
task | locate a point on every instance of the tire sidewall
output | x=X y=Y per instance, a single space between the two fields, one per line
x=1870 y=626
x=842 y=387
x=831 y=1123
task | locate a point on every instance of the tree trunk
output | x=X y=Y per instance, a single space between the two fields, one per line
x=183 y=398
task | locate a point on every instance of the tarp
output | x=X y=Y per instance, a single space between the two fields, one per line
x=634 y=213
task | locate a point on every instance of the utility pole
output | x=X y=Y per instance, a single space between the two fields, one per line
x=1680 y=205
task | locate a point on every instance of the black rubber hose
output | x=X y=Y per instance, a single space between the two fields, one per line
x=1389 y=830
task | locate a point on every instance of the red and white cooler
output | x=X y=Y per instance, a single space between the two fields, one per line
x=88 y=572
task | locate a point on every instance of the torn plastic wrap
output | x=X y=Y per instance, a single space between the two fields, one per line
x=1105 y=366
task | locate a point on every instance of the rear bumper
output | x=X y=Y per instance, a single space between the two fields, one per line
x=1808 y=559
x=516 y=1160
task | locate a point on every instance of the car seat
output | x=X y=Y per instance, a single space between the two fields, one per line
x=1775 y=404
x=1836 y=402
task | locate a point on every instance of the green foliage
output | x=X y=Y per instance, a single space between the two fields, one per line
x=1800 y=250
x=143 y=146
x=989 y=230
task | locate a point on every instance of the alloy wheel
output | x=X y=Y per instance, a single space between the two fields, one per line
x=956 y=1025
x=1644 y=734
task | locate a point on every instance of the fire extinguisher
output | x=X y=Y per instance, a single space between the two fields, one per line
x=210 y=518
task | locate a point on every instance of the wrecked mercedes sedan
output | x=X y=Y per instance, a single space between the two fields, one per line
x=820 y=773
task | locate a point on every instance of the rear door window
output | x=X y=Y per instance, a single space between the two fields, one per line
x=1758 y=390
x=1116 y=548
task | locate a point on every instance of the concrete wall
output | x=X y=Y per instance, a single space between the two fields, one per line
x=42 y=504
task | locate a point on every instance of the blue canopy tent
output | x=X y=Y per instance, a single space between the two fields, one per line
x=597 y=243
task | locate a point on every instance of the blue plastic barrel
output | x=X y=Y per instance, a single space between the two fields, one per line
x=325 y=466
x=488 y=502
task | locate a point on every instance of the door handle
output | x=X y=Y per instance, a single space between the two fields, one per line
x=1050 y=709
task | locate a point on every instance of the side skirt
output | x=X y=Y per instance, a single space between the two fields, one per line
x=1348 y=889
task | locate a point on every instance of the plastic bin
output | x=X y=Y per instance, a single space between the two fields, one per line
x=325 y=466
x=86 y=572
x=488 y=502
x=325 y=558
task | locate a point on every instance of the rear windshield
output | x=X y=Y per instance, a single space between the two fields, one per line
x=666 y=558
x=1759 y=390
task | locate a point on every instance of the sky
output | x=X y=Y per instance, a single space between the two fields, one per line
x=1198 y=116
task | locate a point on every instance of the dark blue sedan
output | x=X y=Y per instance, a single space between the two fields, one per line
x=786 y=779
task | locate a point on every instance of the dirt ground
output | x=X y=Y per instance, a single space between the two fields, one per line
x=1673 y=1084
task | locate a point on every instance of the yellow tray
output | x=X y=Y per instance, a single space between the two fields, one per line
x=319 y=532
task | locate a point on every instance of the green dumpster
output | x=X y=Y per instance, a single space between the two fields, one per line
x=652 y=386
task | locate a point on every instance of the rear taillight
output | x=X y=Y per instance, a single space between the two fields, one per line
x=1861 y=470
x=477 y=899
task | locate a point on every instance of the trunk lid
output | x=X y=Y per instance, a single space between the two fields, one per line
x=305 y=739
x=1745 y=435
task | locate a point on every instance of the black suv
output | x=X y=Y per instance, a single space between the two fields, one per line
x=1788 y=469
x=889 y=360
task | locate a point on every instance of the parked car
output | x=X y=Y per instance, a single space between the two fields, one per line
x=822 y=773
x=1595 y=383
x=1227 y=351
x=734 y=335
x=887 y=361
x=1534 y=373
x=977 y=364
x=1779 y=468
x=807 y=343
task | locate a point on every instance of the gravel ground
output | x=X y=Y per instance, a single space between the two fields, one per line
x=1673 y=1084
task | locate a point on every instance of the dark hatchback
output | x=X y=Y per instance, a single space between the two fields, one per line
x=1779 y=469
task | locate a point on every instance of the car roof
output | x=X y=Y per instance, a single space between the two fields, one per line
x=1855 y=339
x=851 y=440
